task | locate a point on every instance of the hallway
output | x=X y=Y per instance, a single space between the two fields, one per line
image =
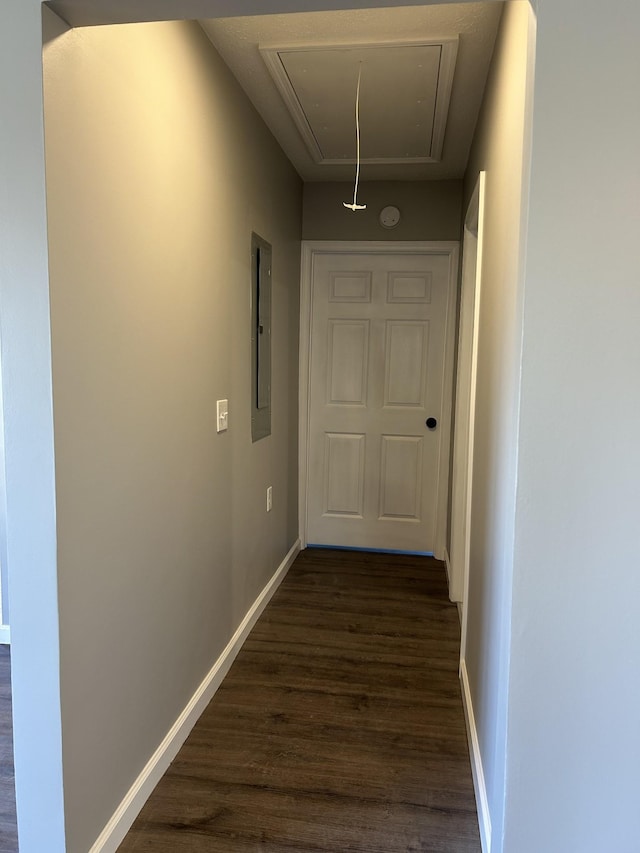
x=339 y=727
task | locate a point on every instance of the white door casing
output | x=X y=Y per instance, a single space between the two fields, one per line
x=463 y=438
x=465 y=393
x=377 y=328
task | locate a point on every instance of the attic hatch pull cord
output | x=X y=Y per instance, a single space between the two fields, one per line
x=355 y=206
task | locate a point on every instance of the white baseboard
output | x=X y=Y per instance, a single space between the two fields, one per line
x=116 y=829
x=482 y=803
x=5 y=635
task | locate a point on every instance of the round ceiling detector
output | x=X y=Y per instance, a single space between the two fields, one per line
x=389 y=216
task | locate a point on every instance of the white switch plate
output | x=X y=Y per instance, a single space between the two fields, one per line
x=223 y=415
x=269 y=498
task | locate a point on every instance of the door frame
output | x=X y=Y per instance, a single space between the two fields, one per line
x=311 y=248
x=465 y=395
x=474 y=222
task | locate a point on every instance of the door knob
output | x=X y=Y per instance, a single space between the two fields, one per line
x=431 y=423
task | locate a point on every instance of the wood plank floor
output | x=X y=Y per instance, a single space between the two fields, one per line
x=338 y=728
x=8 y=828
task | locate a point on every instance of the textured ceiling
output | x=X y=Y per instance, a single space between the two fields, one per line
x=398 y=97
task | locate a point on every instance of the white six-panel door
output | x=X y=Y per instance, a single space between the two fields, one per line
x=378 y=338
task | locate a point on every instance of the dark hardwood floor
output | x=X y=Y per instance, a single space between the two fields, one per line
x=8 y=828
x=339 y=727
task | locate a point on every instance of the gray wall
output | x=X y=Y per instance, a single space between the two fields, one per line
x=430 y=210
x=553 y=642
x=574 y=698
x=574 y=705
x=500 y=148
x=158 y=169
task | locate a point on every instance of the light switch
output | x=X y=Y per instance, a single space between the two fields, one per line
x=223 y=415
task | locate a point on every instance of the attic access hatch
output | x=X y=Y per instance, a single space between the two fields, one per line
x=404 y=98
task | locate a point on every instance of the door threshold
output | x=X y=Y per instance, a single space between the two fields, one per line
x=371 y=550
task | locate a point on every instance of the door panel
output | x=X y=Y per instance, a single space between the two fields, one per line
x=346 y=287
x=348 y=362
x=409 y=288
x=344 y=474
x=406 y=356
x=400 y=477
x=377 y=352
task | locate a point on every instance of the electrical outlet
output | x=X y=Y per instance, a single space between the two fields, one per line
x=269 y=498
